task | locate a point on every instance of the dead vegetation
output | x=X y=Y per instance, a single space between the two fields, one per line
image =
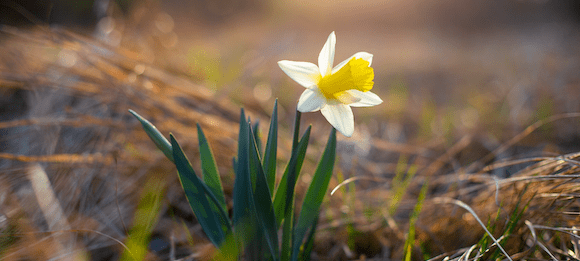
x=65 y=113
x=63 y=118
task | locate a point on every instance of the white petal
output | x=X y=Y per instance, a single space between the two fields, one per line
x=367 y=99
x=326 y=56
x=347 y=98
x=311 y=100
x=340 y=117
x=304 y=73
x=364 y=55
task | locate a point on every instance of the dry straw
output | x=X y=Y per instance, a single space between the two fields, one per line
x=72 y=121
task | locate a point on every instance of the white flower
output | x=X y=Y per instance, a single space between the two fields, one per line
x=334 y=90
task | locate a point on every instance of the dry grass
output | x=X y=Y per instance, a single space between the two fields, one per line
x=73 y=123
x=65 y=113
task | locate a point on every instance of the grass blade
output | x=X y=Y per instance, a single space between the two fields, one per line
x=209 y=169
x=410 y=241
x=196 y=192
x=270 y=153
x=401 y=183
x=146 y=217
x=315 y=194
x=156 y=136
x=472 y=212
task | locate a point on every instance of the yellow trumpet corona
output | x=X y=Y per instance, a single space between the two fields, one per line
x=356 y=74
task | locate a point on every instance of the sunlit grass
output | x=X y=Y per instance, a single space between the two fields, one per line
x=410 y=241
x=145 y=220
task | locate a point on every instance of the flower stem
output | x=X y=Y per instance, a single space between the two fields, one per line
x=296 y=130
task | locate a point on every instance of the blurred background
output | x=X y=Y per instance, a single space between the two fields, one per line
x=458 y=80
x=466 y=59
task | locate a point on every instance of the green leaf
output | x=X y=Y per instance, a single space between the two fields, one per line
x=243 y=218
x=315 y=194
x=229 y=250
x=296 y=130
x=156 y=136
x=309 y=244
x=263 y=200
x=269 y=162
x=257 y=135
x=235 y=164
x=287 y=235
x=285 y=192
x=209 y=169
x=196 y=194
x=283 y=201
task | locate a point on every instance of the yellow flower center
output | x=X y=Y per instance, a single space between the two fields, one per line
x=355 y=75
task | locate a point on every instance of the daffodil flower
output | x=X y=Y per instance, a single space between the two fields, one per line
x=334 y=90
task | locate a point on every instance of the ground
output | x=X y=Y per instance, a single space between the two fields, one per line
x=480 y=103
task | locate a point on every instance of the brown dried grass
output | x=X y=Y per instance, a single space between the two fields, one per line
x=76 y=126
x=74 y=122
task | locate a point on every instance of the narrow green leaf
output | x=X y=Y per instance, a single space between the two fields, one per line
x=315 y=194
x=244 y=218
x=410 y=241
x=242 y=134
x=209 y=169
x=296 y=130
x=235 y=164
x=287 y=235
x=251 y=165
x=294 y=172
x=263 y=200
x=280 y=200
x=196 y=195
x=229 y=250
x=241 y=186
x=257 y=135
x=283 y=195
x=156 y=136
x=309 y=244
x=271 y=150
